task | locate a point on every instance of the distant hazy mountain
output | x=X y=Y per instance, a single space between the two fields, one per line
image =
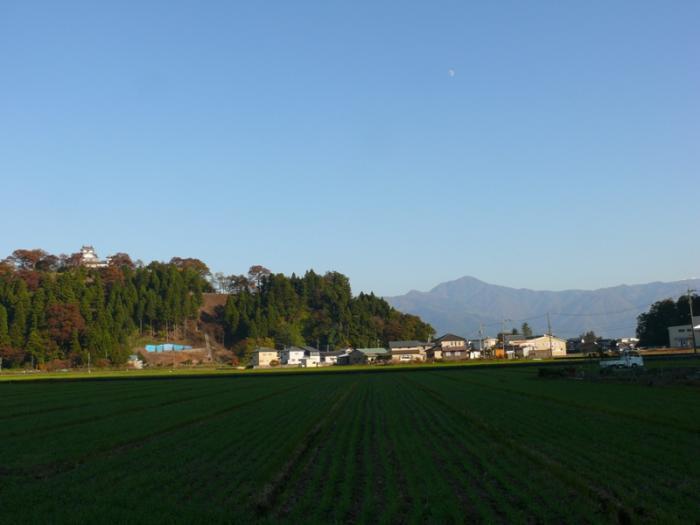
x=459 y=306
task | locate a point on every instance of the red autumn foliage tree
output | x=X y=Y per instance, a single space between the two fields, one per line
x=193 y=264
x=63 y=321
x=119 y=260
x=256 y=274
x=12 y=356
x=48 y=263
x=26 y=259
x=31 y=277
x=111 y=275
x=74 y=260
x=5 y=268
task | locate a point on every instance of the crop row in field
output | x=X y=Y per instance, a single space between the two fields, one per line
x=445 y=446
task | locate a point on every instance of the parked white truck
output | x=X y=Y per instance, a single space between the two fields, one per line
x=626 y=360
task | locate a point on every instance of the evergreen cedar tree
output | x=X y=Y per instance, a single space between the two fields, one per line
x=652 y=326
x=52 y=308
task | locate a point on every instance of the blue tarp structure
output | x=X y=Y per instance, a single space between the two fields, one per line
x=166 y=347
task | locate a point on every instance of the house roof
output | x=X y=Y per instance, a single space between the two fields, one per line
x=372 y=351
x=530 y=338
x=294 y=349
x=545 y=335
x=397 y=352
x=449 y=337
x=332 y=353
x=406 y=344
x=264 y=349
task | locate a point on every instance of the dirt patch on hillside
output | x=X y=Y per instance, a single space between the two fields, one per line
x=195 y=356
x=211 y=302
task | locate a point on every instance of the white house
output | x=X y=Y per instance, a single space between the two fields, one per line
x=312 y=357
x=407 y=351
x=264 y=357
x=331 y=358
x=292 y=355
x=450 y=347
x=484 y=344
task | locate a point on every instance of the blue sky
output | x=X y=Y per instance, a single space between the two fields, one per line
x=562 y=153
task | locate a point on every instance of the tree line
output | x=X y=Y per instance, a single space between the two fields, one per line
x=52 y=308
x=652 y=326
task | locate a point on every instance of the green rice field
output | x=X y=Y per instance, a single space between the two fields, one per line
x=487 y=445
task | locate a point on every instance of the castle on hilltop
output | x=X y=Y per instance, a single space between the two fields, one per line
x=89 y=258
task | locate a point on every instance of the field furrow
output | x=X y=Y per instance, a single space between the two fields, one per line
x=447 y=446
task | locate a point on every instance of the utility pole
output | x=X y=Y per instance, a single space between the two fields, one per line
x=503 y=336
x=481 y=338
x=549 y=332
x=692 y=326
x=89 y=371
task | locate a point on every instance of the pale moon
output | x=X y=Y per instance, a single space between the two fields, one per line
x=451 y=72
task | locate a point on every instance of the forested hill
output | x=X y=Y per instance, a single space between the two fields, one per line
x=313 y=309
x=54 y=308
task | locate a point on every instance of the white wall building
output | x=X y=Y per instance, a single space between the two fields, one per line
x=406 y=351
x=487 y=343
x=292 y=355
x=264 y=357
x=331 y=358
x=681 y=336
x=312 y=357
x=541 y=345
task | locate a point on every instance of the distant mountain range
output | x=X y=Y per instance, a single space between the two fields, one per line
x=460 y=306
